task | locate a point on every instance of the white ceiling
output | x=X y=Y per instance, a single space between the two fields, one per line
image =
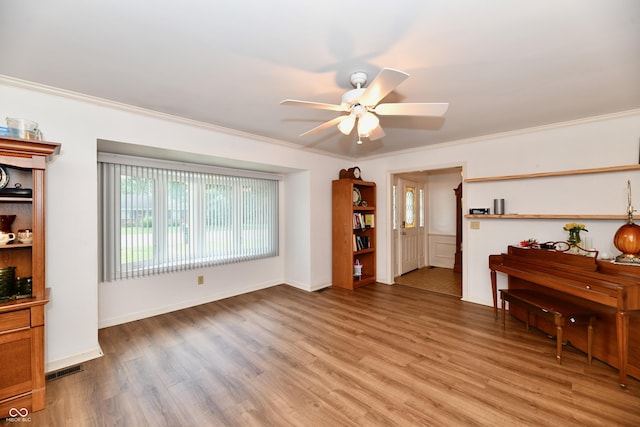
x=501 y=64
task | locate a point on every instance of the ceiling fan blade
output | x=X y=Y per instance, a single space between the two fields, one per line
x=382 y=85
x=309 y=104
x=436 y=109
x=377 y=133
x=324 y=125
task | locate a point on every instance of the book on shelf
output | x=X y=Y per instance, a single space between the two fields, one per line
x=369 y=220
x=358 y=221
x=362 y=242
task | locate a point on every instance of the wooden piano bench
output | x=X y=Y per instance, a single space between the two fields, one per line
x=561 y=312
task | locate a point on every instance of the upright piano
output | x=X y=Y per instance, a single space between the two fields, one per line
x=612 y=290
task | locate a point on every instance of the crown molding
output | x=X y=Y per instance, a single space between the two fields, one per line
x=76 y=96
x=50 y=90
x=558 y=125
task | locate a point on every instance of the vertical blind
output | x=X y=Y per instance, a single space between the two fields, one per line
x=156 y=220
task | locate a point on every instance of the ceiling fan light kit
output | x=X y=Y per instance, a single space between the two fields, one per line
x=346 y=125
x=362 y=106
x=367 y=122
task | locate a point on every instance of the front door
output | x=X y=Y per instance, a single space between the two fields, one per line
x=409 y=227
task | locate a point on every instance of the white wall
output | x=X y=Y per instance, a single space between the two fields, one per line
x=79 y=305
x=442 y=203
x=296 y=218
x=442 y=218
x=597 y=142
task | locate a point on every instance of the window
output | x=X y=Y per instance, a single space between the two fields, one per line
x=421 y=208
x=394 y=207
x=409 y=207
x=157 y=219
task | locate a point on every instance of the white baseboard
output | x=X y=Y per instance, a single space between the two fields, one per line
x=74 y=359
x=302 y=286
x=130 y=317
x=318 y=287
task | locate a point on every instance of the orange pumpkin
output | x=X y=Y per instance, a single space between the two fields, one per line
x=627 y=239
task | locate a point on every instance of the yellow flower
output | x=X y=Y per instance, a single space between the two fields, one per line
x=574 y=226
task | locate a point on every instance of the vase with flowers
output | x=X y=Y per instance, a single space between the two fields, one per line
x=574 y=230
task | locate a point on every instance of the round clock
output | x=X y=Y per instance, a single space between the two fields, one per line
x=4 y=177
x=351 y=173
x=356 y=173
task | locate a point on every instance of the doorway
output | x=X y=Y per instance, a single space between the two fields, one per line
x=409 y=226
x=427 y=212
x=433 y=279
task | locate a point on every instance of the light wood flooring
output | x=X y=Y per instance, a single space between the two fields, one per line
x=433 y=279
x=378 y=356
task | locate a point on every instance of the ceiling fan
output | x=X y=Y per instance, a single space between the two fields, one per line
x=362 y=106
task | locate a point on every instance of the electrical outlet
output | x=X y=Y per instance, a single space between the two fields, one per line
x=475 y=225
x=200 y=280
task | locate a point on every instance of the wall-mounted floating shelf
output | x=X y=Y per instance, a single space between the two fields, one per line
x=557 y=173
x=548 y=216
x=552 y=174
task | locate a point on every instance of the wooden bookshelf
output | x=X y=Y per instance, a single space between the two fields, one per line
x=352 y=239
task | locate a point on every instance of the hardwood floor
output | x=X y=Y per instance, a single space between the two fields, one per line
x=378 y=356
x=434 y=279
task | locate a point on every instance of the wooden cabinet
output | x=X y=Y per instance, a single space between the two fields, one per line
x=353 y=229
x=457 y=261
x=22 y=377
